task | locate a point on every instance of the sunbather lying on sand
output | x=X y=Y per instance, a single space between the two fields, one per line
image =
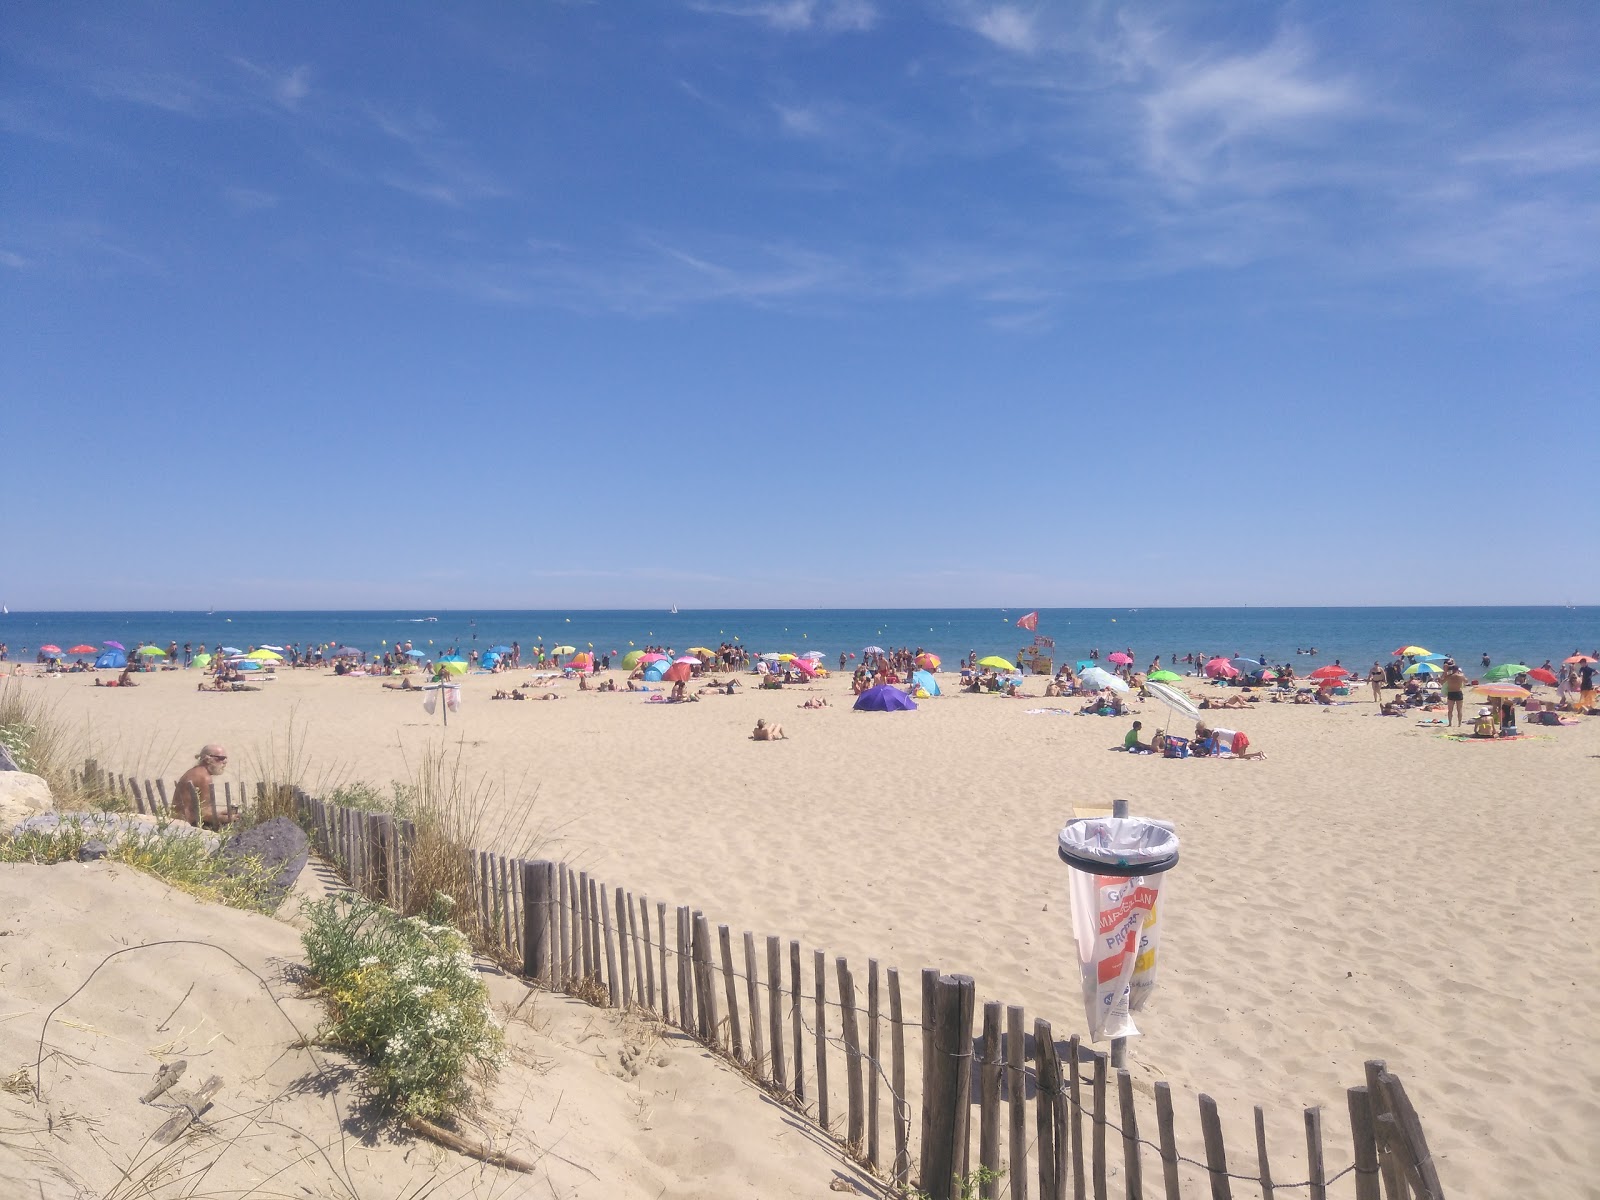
x=814 y=702
x=767 y=733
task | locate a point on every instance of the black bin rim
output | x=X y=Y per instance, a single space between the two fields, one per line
x=1094 y=866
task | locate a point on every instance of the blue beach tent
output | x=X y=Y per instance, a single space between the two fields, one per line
x=884 y=698
x=926 y=682
x=111 y=660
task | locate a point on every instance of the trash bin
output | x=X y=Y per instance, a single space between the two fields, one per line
x=1117 y=865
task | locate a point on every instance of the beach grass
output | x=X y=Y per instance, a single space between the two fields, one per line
x=188 y=863
x=40 y=742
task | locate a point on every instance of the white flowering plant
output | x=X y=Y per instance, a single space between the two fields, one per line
x=402 y=991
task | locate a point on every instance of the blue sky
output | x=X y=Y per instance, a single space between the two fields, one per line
x=802 y=302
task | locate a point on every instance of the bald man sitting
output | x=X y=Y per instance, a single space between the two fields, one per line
x=195 y=799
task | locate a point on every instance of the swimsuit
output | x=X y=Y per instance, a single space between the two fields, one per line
x=1454 y=695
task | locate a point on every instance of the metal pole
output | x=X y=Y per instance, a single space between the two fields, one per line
x=1119 y=1046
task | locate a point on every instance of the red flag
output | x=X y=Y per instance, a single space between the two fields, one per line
x=1029 y=622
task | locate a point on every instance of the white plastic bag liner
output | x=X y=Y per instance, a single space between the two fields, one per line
x=430 y=702
x=1115 y=917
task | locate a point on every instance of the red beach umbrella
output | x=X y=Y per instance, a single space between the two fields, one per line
x=1580 y=658
x=1544 y=676
x=50 y=648
x=928 y=662
x=677 y=673
x=652 y=657
x=1220 y=668
x=1330 y=672
x=84 y=650
x=1117 y=656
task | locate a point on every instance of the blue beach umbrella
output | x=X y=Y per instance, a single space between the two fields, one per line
x=415 y=654
x=926 y=682
x=1423 y=668
x=1084 y=664
x=499 y=650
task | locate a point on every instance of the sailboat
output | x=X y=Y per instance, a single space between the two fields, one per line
x=673 y=609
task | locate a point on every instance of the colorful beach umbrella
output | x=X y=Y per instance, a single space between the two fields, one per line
x=83 y=649
x=805 y=666
x=1502 y=691
x=114 y=645
x=151 y=651
x=653 y=657
x=871 y=650
x=50 y=648
x=1117 y=656
x=678 y=672
x=1504 y=671
x=1412 y=652
x=562 y=649
x=1544 y=676
x=928 y=662
x=1221 y=668
x=1422 y=668
x=453 y=666
x=997 y=663
x=701 y=650
x=630 y=660
x=1576 y=658
x=265 y=655
x=202 y=660
x=1330 y=672
x=1163 y=677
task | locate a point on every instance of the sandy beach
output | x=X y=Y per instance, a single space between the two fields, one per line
x=1371 y=889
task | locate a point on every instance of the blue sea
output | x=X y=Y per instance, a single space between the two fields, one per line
x=1355 y=636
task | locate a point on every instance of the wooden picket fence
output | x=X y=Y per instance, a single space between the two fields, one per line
x=926 y=1110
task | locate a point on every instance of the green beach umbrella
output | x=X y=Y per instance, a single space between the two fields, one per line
x=1505 y=671
x=202 y=660
x=151 y=651
x=1164 y=677
x=998 y=663
x=630 y=660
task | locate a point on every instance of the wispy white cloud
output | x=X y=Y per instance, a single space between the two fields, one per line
x=441 y=170
x=791 y=16
x=1006 y=25
x=1207 y=118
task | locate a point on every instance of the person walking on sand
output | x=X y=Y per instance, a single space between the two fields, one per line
x=1377 y=677
x=194 y=799
x=1455 y=691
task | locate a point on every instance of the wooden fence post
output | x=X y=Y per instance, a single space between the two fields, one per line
x=775 y=1011
x=753 y=996
x=649 y=957
x=1366 y=1148
x=797 y=1021
x=382 y=869
x=1319 y=1186
x=1017 y=1093
x=946 y=1097
x=989 y=1102
x=819 y=975
x=619 y=900
x=161 y=790
x=1422 y=1173
x=1132 y=1168
x=856 y=1116
x=1168 y=1134
x=613 y=983
x=536 y=880
x=1217 y=1155
x=1101 y=1062
x=735 y=1034
x=1047 y=1099
x=874 y=1060
x=902 y=1104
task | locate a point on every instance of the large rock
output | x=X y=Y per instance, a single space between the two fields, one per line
x=22 y=796
x=281 y=846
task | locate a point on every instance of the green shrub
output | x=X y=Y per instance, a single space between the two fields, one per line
x=403 y=992
x=188 y=863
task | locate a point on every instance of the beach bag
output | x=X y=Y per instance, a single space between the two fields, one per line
x=1176 y=747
